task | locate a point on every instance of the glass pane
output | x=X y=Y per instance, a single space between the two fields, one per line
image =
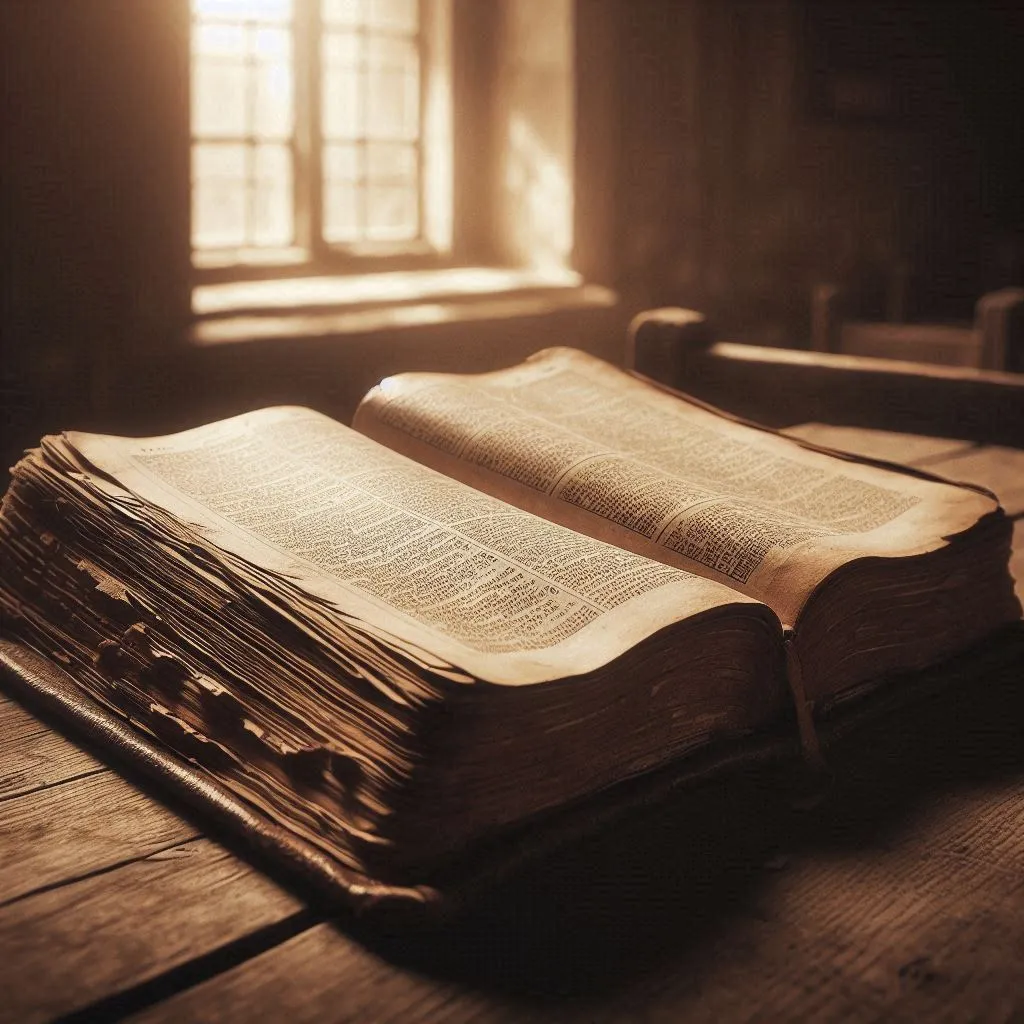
x=218 y=195
x=391 y=164
x=387 y=53
x=391 y=213
x=242 y=86
x=218 y=40
x=239 y=10
x=342 y=103
x=393 y=90
x=272 y=196
x=341 y=211
x=273 y=100
x=341 y=49
x=343 y=12
x=210 y=160
x=395 y=15
x=341 y=163
x=218 y=98
x=270 y=43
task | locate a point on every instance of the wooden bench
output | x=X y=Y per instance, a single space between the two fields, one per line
x=993 y=341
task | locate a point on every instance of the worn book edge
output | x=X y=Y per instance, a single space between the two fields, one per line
x=46 y=688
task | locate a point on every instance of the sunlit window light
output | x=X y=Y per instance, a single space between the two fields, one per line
x=307 y=124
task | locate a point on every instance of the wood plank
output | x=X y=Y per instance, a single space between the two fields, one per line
x=781 y=387
x=33 y=756
x=68 y=948
x=999 y=469
x=90 y=824
x=943 y=344
x=908 y=449
x=922 y=925
x=324 y=975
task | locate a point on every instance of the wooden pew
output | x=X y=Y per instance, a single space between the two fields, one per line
x=780 y=387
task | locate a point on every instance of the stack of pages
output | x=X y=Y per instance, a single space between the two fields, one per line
x=502 y=594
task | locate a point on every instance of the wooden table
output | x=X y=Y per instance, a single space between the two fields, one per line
x=900 y=898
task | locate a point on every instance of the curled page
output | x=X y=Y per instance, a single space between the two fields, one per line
x=571 y=438
x=455 y=573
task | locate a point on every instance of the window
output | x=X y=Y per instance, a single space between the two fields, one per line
x=324 y=152
x=320 y=131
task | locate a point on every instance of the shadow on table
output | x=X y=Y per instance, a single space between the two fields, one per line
x=664 y=884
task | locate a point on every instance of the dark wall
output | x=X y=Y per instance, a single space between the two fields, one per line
x=773 y=144
x=730 y=154
x=93 y=212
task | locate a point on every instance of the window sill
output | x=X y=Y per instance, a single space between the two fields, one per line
x=362 y=304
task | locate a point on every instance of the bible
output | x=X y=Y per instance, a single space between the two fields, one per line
x=495 y=598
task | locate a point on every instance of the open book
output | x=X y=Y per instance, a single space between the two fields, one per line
x=495 y=596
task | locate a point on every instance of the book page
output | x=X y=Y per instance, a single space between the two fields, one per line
x=574 y=439
x=431 y=563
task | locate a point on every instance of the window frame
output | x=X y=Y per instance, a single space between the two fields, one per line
x=310 y=254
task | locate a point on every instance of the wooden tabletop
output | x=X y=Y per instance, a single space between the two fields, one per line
x=899 y=898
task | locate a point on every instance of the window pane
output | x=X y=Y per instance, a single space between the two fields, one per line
x=216 y=39
x=227 y=92
x=341 y=163
x=393 y=193
x=218 y=195
x=238 y=10
x=271 y=196
x=273 y=100
x=392 y=16
x=218 y=98
x=341 y=212
x=243 y=97
x=269 y=43
x=342 y=195
x=341 y=49
x=391 y=213
x=388 y=53
x=342 y=103
x=396 y=15
x=393 y=164
x=344 y=12
x=393 y=89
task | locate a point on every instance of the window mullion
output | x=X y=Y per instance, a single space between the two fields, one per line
x=300 y=133
x=316 y=91
x=307 y=125
x=425 y=56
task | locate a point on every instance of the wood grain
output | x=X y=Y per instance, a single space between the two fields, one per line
x=923 y=925
x=925 y=929
x=77 y=828
x=70 y=947
x=323 y=975
x=33 y=756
